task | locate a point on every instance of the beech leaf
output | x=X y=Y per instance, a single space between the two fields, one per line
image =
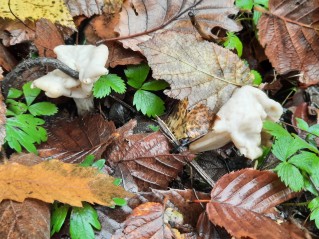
x=293 y=26
x=147 y=158
x=201 y=71
x=240 y=200
x=143 y=18
x=54 y=180
x=72 y=140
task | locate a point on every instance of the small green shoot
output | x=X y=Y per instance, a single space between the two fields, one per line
x=60 y=211
x=248 y=5
x=23 y=127
x=144 y=100
x=257 y=77
x=299 y=166
x=154 y=128
x=233 y=42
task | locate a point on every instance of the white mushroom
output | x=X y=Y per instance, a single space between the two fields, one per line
x=89 y=61
x=240 y=120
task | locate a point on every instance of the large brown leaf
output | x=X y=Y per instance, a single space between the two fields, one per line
x=144 y=17
x=29 y=219
x=72 y=140
x=54 y=180
x=289 y=32
x=240 y=199
x=201 y=71
x=147 y=158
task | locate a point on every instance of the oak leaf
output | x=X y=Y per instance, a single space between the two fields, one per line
x=201 y=71
x=142 y=18
x=71 y=140
x=54 y=180
x=55 y=11
x=289 y=33
x=240 y=200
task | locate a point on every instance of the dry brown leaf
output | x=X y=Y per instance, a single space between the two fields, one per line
x=190 y=123
x=290 y=34
x=7 y=61
x=146 y=158
x=72 y=140
x=54 y=180
x=240 y=200
x=144 y=17
x=201 y=71
x=146 y=221
x=89 y=8
x=102 y=27
x=29 y=219
x=207 y=230
x=47 y=36
x=15 y=32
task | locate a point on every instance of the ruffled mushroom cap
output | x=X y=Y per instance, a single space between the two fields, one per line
x=240 y=120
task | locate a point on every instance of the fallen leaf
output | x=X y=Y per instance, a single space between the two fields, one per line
x=240 y=200
x=190 y=123
x=141 y=18
x=55 y=11
x=289 y=33
x=102 y=27
x=54 y=180
x=72 y=140
x=7 y=61
x=201 y=71
x=89 y=8
x=47 y=37
x=206 y=229
x=29 y=219
x=15 y=32
x=147 y=158
x=146 y=221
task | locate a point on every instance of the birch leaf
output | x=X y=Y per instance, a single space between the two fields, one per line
x=201 y=71
x=55 y=11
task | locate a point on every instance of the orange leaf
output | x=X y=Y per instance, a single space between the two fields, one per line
x=54 y=180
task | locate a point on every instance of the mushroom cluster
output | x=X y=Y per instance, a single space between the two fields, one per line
x=89 y=61
x=240 y=120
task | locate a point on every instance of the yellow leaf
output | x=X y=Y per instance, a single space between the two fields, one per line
x=54 y=180
x=53 y=10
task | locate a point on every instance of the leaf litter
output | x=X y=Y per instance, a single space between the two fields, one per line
x=203 y=76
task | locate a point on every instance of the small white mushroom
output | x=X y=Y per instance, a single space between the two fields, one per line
x=240 y=120
x=89 y=61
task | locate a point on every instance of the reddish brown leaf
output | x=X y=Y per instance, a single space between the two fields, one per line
x=240 y=199
x=47 y=37
x=30 y=219
x=146 y=221
x=207 y=230
x=146 y=17
x=72 y=140
x=147 y=159
x=293 y=27
x=102 y=27
x=7 y=61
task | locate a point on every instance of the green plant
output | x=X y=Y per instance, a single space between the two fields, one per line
x=23 y=128
x=299 y=166
x=83 y=220
x=233 y=42
x=145 y=101
x=247 y=5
